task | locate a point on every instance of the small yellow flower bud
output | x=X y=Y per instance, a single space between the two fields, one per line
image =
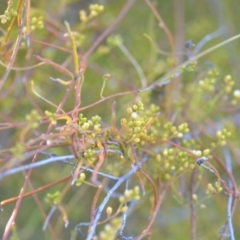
x=194 y=197
x=124 y=209
x=109 y=211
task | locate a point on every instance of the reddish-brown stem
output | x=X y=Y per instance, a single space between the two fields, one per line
x=13 y=56
x=40 y=189
x=44 y=215
x=51 y=45
x=162 y=25
x=106 y=98
x=156 y=208
x=58 y=67
x=18 y=203
x=94 y=204
x=153 y=185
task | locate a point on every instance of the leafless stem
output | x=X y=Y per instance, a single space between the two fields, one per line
x=192 y=205
x=106 y=199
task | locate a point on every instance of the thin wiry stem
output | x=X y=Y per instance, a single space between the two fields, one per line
x=53 y=209
x=154 y=214
x=192 y=205
x=106 y=199
x=176 y=71
x=33 y=192
x=208 y=38
x=124 y=216
x=14 y=53
x=95 y=199
x=64 y=159
x=124 y=219
x=135 y=64
x=230 y=196
x=162 y=25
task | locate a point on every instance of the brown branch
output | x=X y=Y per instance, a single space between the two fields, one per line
x=156 y=208
x=162 y=25
x=40 y=189
x=94 y=204
x=13 y=56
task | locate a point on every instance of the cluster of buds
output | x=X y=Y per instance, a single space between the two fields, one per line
x=214 y=189
x=173 y=161
x=94 y=10
x=190 y=67
x=135 y=125
x=53 y=198
x=93 y=123
x=222 y=136
x=130 y=194
x=36 y=23
x=228 y=84
x=80 y=179
x=110 y=230
x=51 y=117
x=171 y=131
x=9 y=13
x=33 y=119
x=208 y=83
x=89 y=155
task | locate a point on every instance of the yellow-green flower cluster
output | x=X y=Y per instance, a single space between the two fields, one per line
x=9 y=13
x=89 y=155
x=222 y=136
x=171 y=131
x=135 y=125
x=213 y=73
x=94 y=10
x=94 y=123
x=80 y=179
x=51 y=117
x=36 y=23
x=190 y=67
x=53 y=198
x=130 y=194
x=151 y=110
x=208 y=83
x=33 y=119
x=172 y=161
x=214 y=189
x=199 y=153
x=110 y=230
x=229 y=83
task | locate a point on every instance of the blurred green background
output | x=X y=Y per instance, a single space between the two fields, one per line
x=186 y=20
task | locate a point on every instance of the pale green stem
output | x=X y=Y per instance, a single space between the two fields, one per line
x=135 y=64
